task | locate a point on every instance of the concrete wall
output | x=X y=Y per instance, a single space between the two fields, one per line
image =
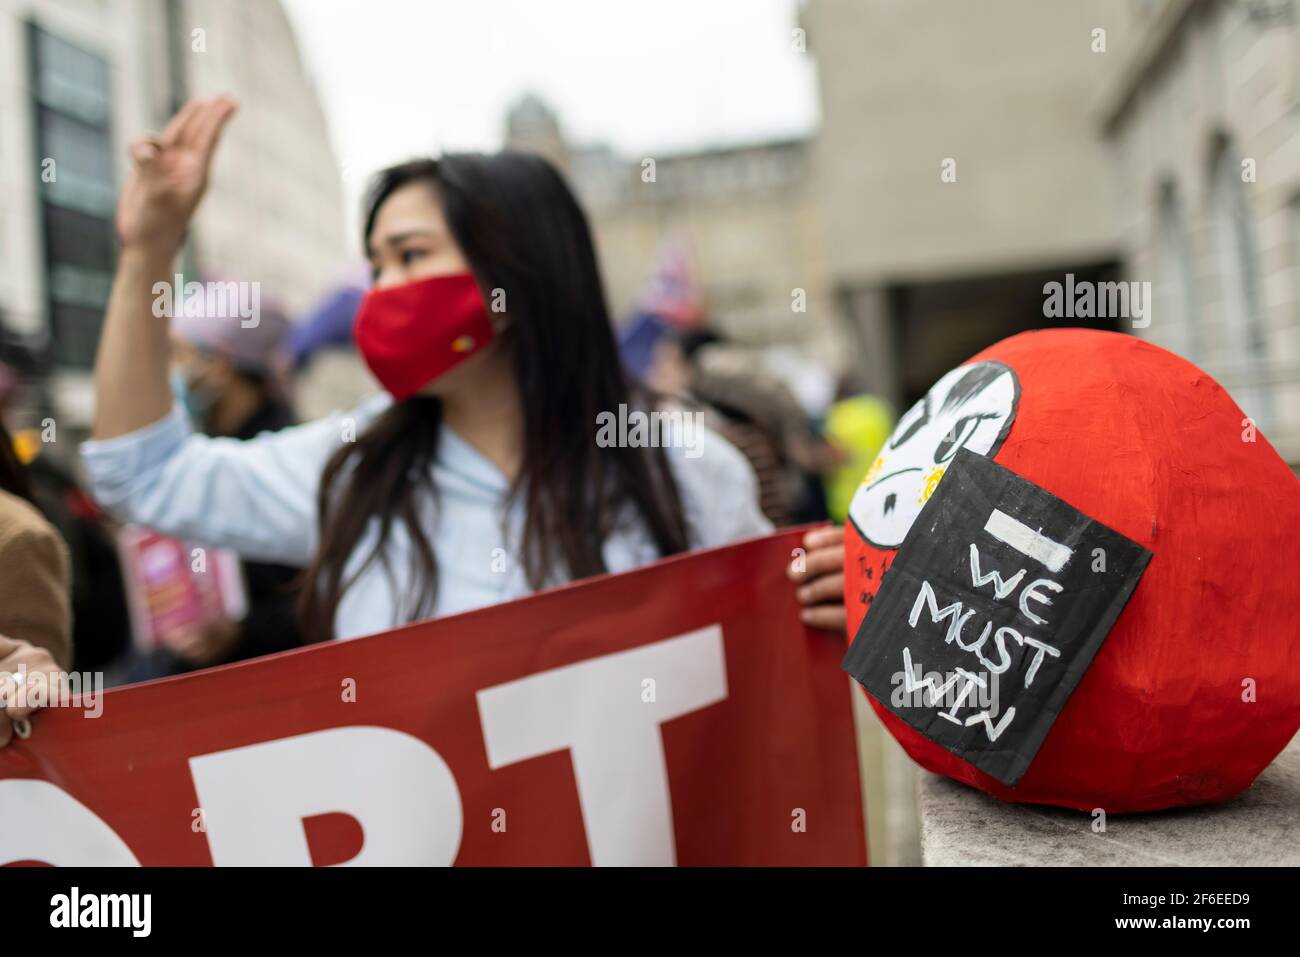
x=1206 y=89
x=1001 y=87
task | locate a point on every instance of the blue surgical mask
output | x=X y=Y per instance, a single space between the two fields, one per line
x=196 y=402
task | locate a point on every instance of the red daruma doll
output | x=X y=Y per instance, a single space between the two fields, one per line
x=1072 y=578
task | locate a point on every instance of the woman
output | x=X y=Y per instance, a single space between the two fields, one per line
x=477 y=477
x=35 y=615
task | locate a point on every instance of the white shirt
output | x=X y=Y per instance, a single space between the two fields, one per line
x=258 y=497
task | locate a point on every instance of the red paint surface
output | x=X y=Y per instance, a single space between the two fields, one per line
x=1146 y=443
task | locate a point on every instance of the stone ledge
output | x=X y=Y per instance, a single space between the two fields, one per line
x=962 y=826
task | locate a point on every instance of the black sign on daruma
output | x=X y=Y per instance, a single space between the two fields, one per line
x=996 y=603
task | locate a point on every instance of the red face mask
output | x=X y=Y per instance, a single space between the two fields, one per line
x=413 y=333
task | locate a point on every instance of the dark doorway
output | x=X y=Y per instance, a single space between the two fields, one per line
x=938 y=325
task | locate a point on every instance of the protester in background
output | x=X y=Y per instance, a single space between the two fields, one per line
x=669 y=304
x=328 y=373
x=100 y=621
x=857 y=426
x=35 y=613
x=757 y=413
x=34 y=581
x=226 y=372
x=328 y=325
x=229 y=372
x=484 y=446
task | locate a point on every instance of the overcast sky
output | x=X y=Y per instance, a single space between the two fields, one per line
x=405 y=77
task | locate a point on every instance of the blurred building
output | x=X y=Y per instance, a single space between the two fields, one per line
x=971 y=153
x=748 y=215
x=956 y=172
x=78 y=80
x=1202 y=113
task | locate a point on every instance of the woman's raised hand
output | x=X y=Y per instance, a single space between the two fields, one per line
x=168 y=176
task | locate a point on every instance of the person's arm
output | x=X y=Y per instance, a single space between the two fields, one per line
x=166 y=183
x=144 y=462
x=257 y=496
x=35 y=589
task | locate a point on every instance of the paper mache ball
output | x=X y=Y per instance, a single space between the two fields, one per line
x=1091 y=523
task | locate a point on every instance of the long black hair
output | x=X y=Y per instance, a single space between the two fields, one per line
x=521 y=231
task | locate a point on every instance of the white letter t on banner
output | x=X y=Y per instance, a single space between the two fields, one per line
x=597 y=711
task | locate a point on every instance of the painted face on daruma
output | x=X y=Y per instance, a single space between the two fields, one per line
x=971 y=407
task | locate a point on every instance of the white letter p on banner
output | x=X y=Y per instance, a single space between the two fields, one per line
x=398 y=788
x=597 y=711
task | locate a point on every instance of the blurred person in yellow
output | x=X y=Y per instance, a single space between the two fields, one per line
x=857 y=427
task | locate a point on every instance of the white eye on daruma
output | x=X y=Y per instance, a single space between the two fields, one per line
x=957 y=437
x=971 y=407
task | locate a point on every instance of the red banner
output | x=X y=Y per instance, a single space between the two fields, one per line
x=677 y=714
